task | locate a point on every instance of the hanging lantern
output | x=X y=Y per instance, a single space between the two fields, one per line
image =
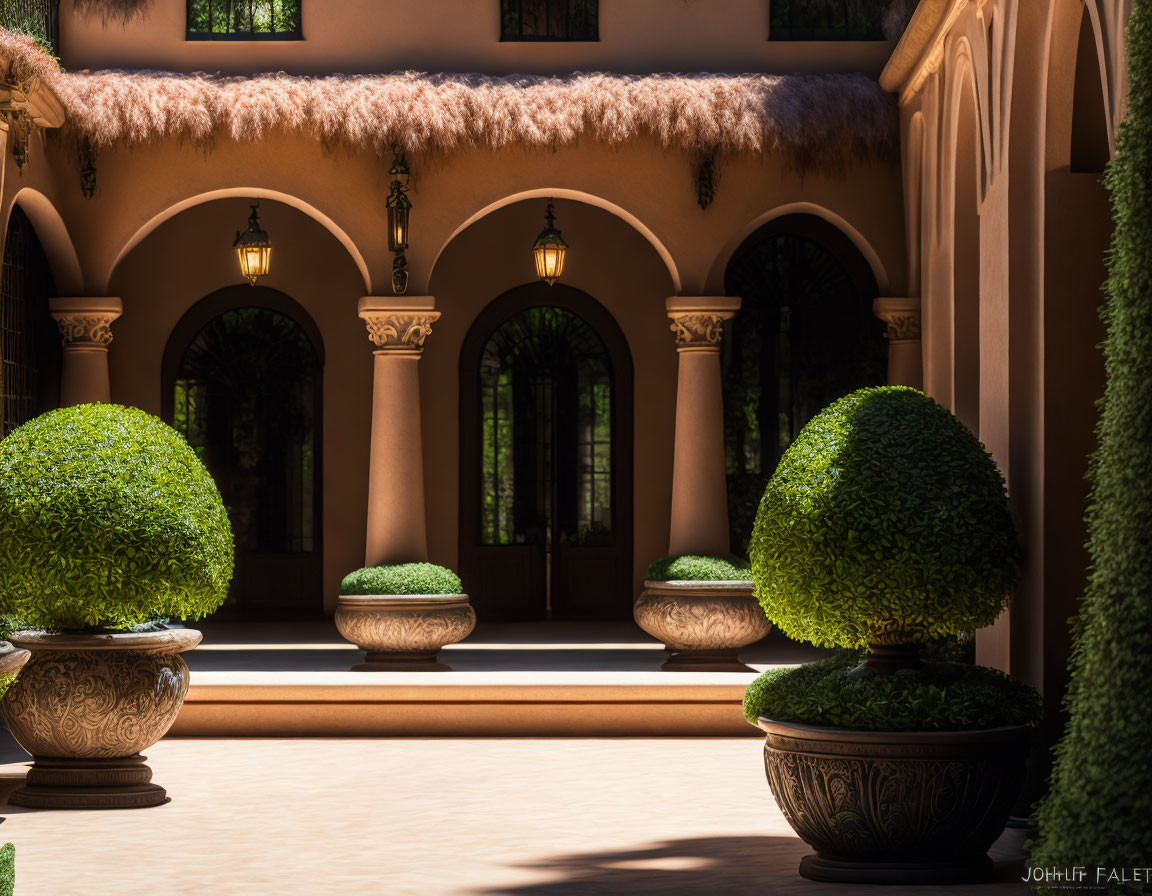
x=253 y=248
x=549 y=249
x=399 y=206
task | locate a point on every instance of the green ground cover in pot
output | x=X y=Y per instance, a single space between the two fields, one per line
x=1096 y=813
x=6 y=680
x=403 y=578
x=938 y=697
x=695 y=568
x=885 y=521
x=109 y=519
x=7 y=869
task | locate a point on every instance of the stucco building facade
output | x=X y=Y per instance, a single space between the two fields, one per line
x=712 y=294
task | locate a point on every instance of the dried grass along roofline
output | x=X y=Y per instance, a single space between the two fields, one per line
x=812 y=122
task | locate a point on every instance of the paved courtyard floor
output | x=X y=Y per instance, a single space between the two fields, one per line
x=336 y=817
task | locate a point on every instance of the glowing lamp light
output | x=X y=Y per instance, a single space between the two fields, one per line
x=254 y=249
x=549 y=249
x=399 y=206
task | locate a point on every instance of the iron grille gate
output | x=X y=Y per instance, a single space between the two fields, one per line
x=527 y=20
x=29 y=343
x=244 y=20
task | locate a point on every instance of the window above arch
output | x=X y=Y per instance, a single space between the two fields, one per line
x=549 y=20
x=826 y=19
x=244 y=20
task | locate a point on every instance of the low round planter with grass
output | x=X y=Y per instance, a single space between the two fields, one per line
x=401 y=616
x=885 y=529
x=703 y=609
x=115 y=524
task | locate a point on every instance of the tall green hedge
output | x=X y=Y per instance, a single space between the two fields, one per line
x=1098 y=811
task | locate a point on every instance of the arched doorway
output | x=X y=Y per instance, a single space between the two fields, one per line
x=243 y=382
x=804 y=336
x=546 y=459
x=29 y=338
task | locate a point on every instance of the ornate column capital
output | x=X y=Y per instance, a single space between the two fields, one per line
x=697 y=322
x=902 y=315
x=86 y=323
x=398 y=324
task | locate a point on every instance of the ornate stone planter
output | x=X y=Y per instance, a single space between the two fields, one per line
x=703 y=624
x=404 y=632
x=86 y=705
x=895 y=807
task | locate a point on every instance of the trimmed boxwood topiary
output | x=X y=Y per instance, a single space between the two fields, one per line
x=403 y=578
x=1096 y=812
x=107 y=520
x=695 y=568
x=935 y=697
x=886 y=522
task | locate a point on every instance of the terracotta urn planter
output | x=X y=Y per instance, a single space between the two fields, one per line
x=404 y=632
x=895 y=807
x=703 y=624
x=86 y=705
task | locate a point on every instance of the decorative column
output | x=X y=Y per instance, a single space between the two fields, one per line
x=905 y=350
x=397 y=528
x=86 y=325
x=699 y=522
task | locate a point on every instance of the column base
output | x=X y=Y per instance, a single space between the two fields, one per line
x=704 y=661
x=948 y=871
x=401 y=662
x=121 y=783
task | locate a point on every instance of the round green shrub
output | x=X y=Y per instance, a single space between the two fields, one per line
x=886 y=521
x=935 y=697
x=403 y=578
x=693 y=568
x=108 y=519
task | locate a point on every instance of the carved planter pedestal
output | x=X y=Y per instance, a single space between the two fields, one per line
x=86 y=705
x=895 y=807
x=404 y=632
x=703 y=624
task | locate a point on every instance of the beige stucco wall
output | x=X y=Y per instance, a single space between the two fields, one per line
x=1042 y=232
x=464 y=35
x=188 y=258
x=158 y=232
x=617 y=267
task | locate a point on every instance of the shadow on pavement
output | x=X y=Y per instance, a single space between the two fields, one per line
x=737 y=865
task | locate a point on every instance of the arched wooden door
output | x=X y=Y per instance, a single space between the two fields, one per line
x=243 y=382
x=546 y=459
x=29 y=338
x=804 y=336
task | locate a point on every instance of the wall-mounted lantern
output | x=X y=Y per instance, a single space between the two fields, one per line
x=399 y=208
x=253 y=248
x=549 y=249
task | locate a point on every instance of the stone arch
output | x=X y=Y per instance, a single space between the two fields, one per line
x=578 y=196
x=242 y=192
x=1092 y=139
x=54 y=238
x=741 y=236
